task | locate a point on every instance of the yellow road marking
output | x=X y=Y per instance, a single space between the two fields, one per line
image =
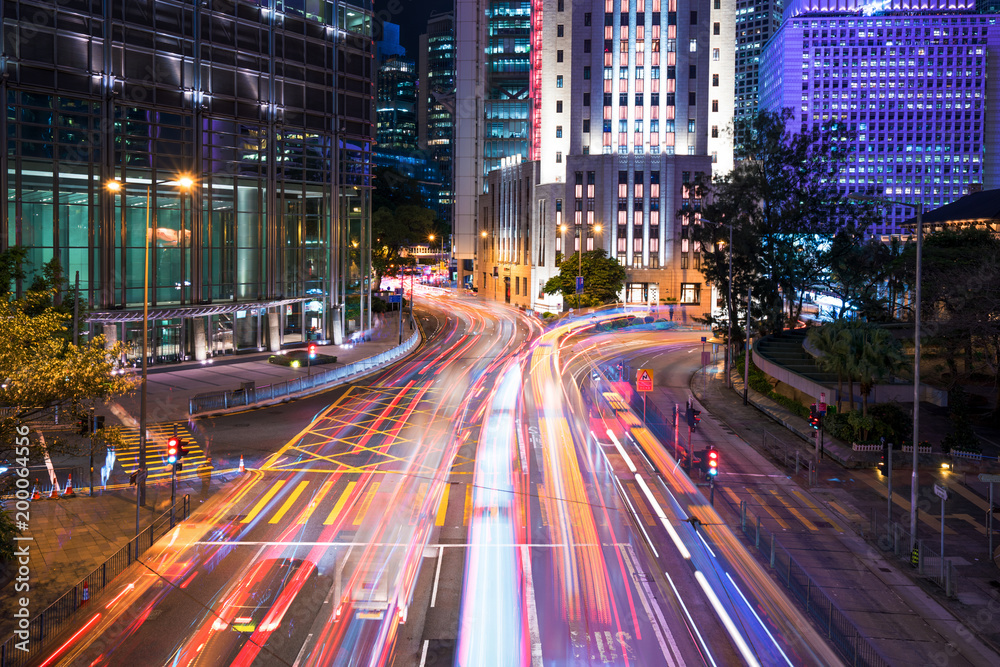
x=957 y=487
x=366 y=503
x=766 y=508
x=418 y=502
x=288 y=503
x=262 y=503
x=314 y=503
x=335 y=512
x=443 y=506
x=850 y=516
x=468 y=505
x=794 y=511
x=281 y=452
x=904 y=504
x=543 y=507
x=968 y=519
x=732 y=495
x=815 y=508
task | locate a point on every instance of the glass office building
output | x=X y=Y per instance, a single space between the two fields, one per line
x=233 y=136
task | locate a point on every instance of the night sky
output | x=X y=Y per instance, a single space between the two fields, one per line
x=411 y=15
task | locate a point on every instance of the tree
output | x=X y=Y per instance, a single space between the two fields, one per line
x=782 y=206
x=824 y=339
x=603 y=279
x=878 y=355
x=857 y=267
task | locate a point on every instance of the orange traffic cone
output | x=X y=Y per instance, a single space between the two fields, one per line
x=35 y=494
x=243 y=468
x=54 y=494
x=86 y=594
x=68 y=493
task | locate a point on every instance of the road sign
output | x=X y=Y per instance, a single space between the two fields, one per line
x=985 y=477
x=940 y=492
x=821 y=408
x=579 y=284
x=644 y=379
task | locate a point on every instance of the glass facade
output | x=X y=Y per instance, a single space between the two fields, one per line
x=238 y=135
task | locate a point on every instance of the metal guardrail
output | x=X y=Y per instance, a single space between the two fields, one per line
x=893 y=536
x=57 y=615
x=842 y=633
x=243 y=397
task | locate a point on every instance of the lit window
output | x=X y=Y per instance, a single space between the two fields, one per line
x=693 y=43
x=559 y=81
x=691 y=293
x=559 y=131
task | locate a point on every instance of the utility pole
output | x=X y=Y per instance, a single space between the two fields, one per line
x=746 y=359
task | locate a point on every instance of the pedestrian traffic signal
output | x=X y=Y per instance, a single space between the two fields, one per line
x=173 y=450
x=712 y=458
x=312 y=350
x=692 y=417
x=815 y=419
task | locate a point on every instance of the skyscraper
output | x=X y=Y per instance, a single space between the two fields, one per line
x=436 y=103
x=756 y=22
x=395 y=105
x=912 y=86
x=629 y=102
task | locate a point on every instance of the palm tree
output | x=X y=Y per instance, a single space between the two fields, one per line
x=880 y=356
x=831 y=360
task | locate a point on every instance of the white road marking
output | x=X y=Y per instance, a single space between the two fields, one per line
x=529 y=597
x=423 y=653
x=437 y=577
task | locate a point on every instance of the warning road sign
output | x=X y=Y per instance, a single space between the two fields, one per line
x=644 y=379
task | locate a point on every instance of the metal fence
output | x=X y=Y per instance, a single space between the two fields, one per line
x=251 y=395
x=56 y=616
x=892 y=536
x=842 y=633
x=794 y=459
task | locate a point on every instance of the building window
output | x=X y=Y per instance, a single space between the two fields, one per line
x=586 y=99
x=715 y=54
x=691 y=293
x=715 y=80
x=716 y=29
x=715 y=131
x=558 y=157
x=559 y=56
x=694 y=18
x=718 y=4
x=559 y=131
x=715 y=157
x=693 y=43
x=559 y=6
x=586 y=125
x=692 y=99
x=715 y=105
x=586 y=46
x=558 y=106
x=692 y=71
x=691 y=126
x=559 y=30
x=586 y=19
x=586 y=73
x=559 y=81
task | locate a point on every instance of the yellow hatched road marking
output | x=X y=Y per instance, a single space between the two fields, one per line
x=262 y=503
x=468 y=505
x=850 y=516
x=968 y=519
x=897 y=498
x=314 y=503
x=795 y=512
x=976 y=500
x=443 y=506
x=815 y=508
x=340 y=503
x=766 y=508
x=366 y=503
x=288 y=503
x=732 y=495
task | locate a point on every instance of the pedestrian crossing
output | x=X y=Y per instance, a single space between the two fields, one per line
x=195 y=463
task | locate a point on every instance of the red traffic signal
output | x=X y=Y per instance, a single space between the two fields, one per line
x=312 y=350
x=713 y=461
x=173 y=450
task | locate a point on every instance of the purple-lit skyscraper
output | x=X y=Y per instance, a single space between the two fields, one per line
x=910 y=78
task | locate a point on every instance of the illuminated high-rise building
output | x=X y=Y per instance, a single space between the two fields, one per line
x=436 y=104
x=756 y=22
x=630 y=100
x=910 y=81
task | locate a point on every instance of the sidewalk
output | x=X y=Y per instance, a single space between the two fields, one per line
x=171 y=386
x=71 y=537
x=888 y=600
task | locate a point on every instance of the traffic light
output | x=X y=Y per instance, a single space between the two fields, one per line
x=883 y=464
x=312 y=350
x=712 y=461
x=815 y=420
x=173 y=450
x=692 y=417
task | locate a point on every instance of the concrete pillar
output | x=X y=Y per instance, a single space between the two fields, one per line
x=110 y=335
x=336 y=334
x=273 y=330
x=200 y=346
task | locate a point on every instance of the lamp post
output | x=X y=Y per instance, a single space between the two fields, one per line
x=115 y=186
x=919 y=208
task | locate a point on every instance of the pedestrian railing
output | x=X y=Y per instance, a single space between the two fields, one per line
x=248 y=395
x=892 y=537
x=794 y=459
x=842 y=633
x=28 y=642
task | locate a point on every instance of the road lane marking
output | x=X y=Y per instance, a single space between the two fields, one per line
x=314 y=503
x=932 y=521
x=335 y=512
x=443 y=506
x=967 y=518
x=366 y=502
x=767 y=508
x=732 y=495
x=847 y=514
x=819 y=510
x=468 y=505
x=794 y=511
x=647 y=516
x=959 y=488
x=437 y=577
x=262 y=503
x=293 y=496
x=529 y=601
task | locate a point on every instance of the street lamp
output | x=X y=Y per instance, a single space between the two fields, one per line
x=919 y=207
x=115 y=187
